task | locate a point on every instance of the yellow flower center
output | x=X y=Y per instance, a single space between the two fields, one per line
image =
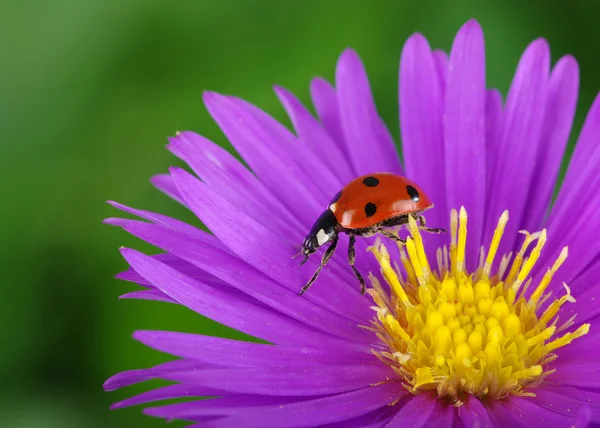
x=462 y=333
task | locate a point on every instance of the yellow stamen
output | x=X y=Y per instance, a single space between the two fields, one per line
x=529 y=238
x=568 y=338
x=414 y=259
x=462 y=240
x=383 y=258
x=468 y=333
x=528 y=265
x=537 y=294
x=487 y=267
x=416 y=236
x=453 y=235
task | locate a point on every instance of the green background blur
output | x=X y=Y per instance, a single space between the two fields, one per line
x=91 y=90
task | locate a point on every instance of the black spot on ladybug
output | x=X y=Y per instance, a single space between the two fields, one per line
x=336 y=198
x=370 y=181
x=370 y=209
x=412 y=192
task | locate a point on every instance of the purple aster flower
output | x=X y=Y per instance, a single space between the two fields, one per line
x=455 y=330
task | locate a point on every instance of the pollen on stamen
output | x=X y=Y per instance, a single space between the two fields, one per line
x=462 y=333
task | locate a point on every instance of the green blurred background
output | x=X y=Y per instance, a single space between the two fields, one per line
x=91 y=90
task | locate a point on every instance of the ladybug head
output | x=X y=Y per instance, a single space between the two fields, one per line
x=322 y=231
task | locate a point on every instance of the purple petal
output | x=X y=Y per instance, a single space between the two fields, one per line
x=374 y=419
x=572 y=188
x=583 y=375
x=244 y=236
x=257 y=321
x=223 y=406
x=519 y=145
x=169 y=259
x=301 y=381
x=421 y=110
x=275 y=156
x=325 y=101
x=579 y=232
x=567 y=401
x=474 y=413
x=169 y=223
x=578 y=195
x=586 y=290
x=441 y=65
x=164 y=393
x=558 y=120
x=416 y=412
x=314 y=412
x=249 y=281
x=314 y=169
x=233 y=353
x=587 y=144
x=155 y=295
x=164 y=183
x=584 y=418
x=464 y=132
x=230 y=179
x=313 y=136
x=130 y=377
x=494 y=116
x=579 y=351
x=530 y=414
x=442 y=416
x=501 y=416
x=371 y=146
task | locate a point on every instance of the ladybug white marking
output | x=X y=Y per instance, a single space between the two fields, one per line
x=322 y=237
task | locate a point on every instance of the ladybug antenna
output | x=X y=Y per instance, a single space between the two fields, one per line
x=299 y=248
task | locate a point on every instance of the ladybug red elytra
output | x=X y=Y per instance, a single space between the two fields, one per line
x=365 y=207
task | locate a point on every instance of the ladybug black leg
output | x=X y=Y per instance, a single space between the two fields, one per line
x=351 y=259
x=422 y=226
x=390 y=235
x=326 y=256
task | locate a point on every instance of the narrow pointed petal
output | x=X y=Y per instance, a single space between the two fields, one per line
x=371 y=146
x=234 y=182
x=221 y=407
x=301 y=381
x=164 y=393
x=275 y=258
x=274 y=155
x=574 y=219
x=325 y=100
x=131 y=377
x=464 y=132
x=520 y=141
x=233 y=353
x=313 y=136
x=169 y=223
x=560 y=112
x=249 y=281
x=257 y=321
x=155 y=295
x=332 y=409
x=494 y=116
x=164 y=183
x=421 y=110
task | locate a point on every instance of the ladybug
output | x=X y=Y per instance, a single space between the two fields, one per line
x=365 y=207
